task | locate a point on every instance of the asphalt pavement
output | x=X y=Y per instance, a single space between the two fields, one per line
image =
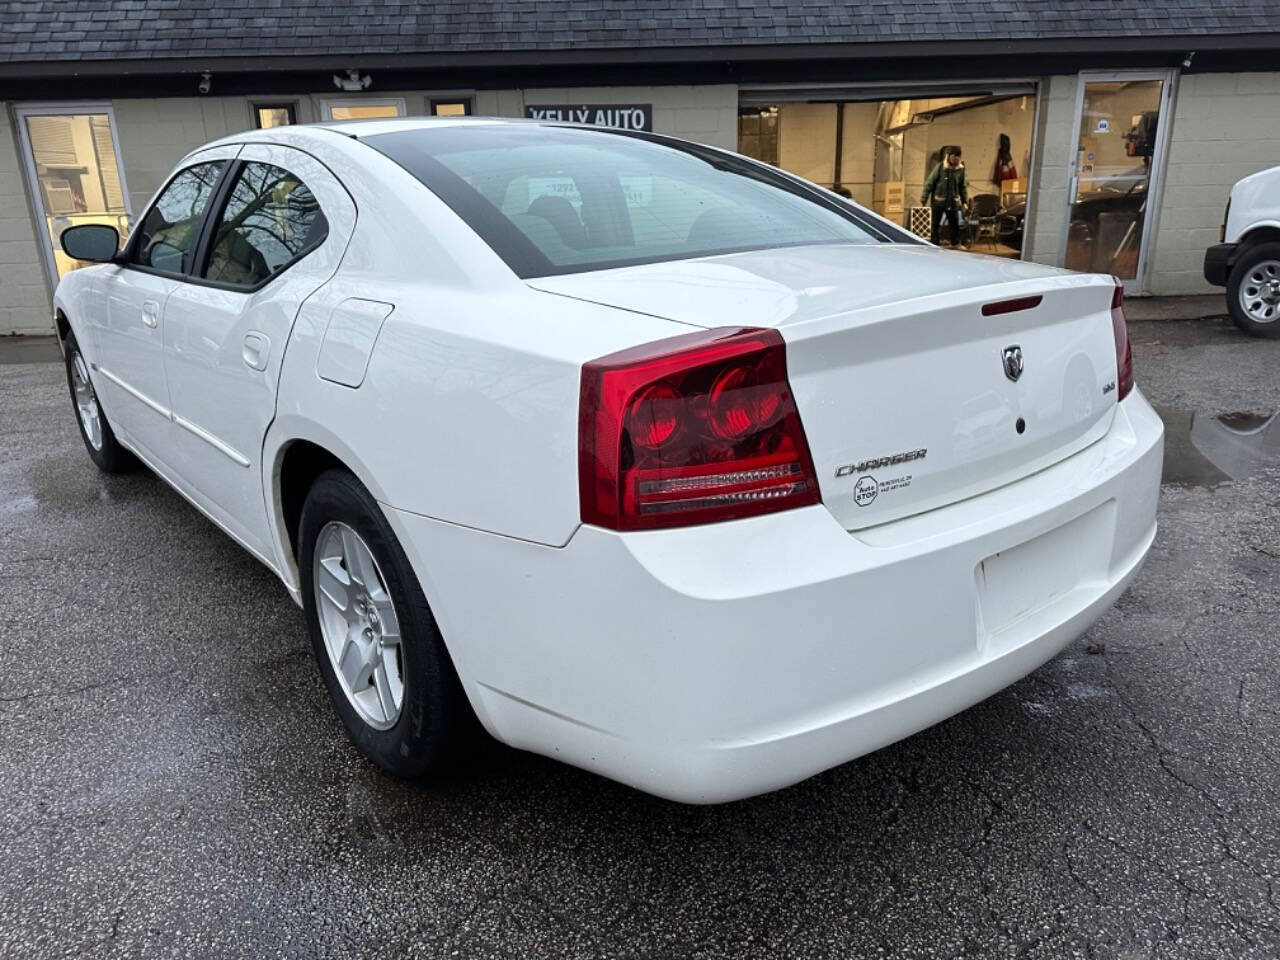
x=174 y=783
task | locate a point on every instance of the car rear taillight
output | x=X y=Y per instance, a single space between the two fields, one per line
x=1124 y=354
x=693 y=429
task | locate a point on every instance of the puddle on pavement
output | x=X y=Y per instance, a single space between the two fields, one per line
x=1205 y=449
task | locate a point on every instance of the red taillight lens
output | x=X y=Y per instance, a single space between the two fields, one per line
x=1124 y=354
x=693 y=429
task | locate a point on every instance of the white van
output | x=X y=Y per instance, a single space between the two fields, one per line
x=1247 y=261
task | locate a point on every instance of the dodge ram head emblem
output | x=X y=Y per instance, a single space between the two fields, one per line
x=1013 y=362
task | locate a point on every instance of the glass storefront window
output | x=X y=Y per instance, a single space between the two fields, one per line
x=881 y=154
x=268 y=115
x=758 y=133
x=451 y=108
x=1115 y=147
x=71 y=159
x=363 y=109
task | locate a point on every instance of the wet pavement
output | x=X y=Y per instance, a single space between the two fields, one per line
x=175 y=784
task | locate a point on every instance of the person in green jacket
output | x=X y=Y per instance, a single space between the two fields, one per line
x=945 y=193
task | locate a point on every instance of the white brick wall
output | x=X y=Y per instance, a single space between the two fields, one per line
x=1225 y=126
x=25 y=304
x=1056 y=139
x=155 y=134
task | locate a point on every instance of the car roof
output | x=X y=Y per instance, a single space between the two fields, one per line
x=302 y=133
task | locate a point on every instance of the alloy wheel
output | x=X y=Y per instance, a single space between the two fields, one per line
x=86 y=401
x=359 y=625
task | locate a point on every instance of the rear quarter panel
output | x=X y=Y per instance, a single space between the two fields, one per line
x=468 y=410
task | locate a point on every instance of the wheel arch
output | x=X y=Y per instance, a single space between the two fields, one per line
x=297 y=451
x=1260 y=233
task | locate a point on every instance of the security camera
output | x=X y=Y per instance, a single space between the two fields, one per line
x=1186 y=62
x=206 y=82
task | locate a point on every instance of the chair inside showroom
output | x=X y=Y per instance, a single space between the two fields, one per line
x=982 y=211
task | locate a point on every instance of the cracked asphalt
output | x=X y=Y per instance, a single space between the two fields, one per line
x=175 y=783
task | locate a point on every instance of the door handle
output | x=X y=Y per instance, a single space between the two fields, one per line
x=150 y=313
x=255 y=349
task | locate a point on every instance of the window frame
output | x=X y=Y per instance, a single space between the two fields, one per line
x=291 y=106
x=135 y=238
x=204 y=234
x=327 y=105
x=467 y=102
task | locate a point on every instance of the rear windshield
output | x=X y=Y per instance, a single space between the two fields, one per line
x=553 y=200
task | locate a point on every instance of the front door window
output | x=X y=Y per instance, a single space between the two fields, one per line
x=167 y=238
x=1116 y=152
x=73 y=174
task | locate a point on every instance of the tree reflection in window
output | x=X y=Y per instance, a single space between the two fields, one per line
x=270 y=220
x=168 y=233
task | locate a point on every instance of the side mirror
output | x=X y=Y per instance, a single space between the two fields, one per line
x=166 y=257
x=95 y=242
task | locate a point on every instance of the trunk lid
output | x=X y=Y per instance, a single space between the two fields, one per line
x=899 y=377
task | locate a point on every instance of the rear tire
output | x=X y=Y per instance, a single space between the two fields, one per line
x=1253 y=290
x=380 y=652
x=99 y=439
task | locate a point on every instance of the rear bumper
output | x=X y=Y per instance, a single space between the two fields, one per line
x=1218 y=261
x=716 y=662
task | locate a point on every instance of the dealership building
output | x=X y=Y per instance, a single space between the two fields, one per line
x=1095 y=135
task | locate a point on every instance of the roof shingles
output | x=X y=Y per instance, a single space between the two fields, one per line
x=73 y=29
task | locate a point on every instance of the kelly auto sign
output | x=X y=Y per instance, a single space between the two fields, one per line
x=625 y=116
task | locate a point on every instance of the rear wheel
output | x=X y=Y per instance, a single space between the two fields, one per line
x=99 y=439
x=376 y=642
x=1253 y=290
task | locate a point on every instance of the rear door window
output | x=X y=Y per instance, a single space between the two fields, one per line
x=270 y=220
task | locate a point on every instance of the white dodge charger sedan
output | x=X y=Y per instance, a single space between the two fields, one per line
x=658 y=460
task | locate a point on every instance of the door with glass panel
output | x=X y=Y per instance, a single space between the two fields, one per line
x=1115 y=173
x=73 y=172
x=279 y=233
x=128 y=327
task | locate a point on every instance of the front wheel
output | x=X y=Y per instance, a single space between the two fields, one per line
x=99 y=439
x=1253 y=290
x=376 y=642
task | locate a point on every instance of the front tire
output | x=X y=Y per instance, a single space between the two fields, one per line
x=1253 y=290
x=379 y=650
x=99 y=439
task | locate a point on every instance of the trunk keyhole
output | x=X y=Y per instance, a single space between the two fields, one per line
x=1020 y=426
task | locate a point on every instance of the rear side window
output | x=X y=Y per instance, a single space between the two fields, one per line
x=270 y=220
x=553 y=199
x=167 y=237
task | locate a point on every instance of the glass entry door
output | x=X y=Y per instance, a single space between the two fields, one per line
x=1115 y=172
x=73 y=174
